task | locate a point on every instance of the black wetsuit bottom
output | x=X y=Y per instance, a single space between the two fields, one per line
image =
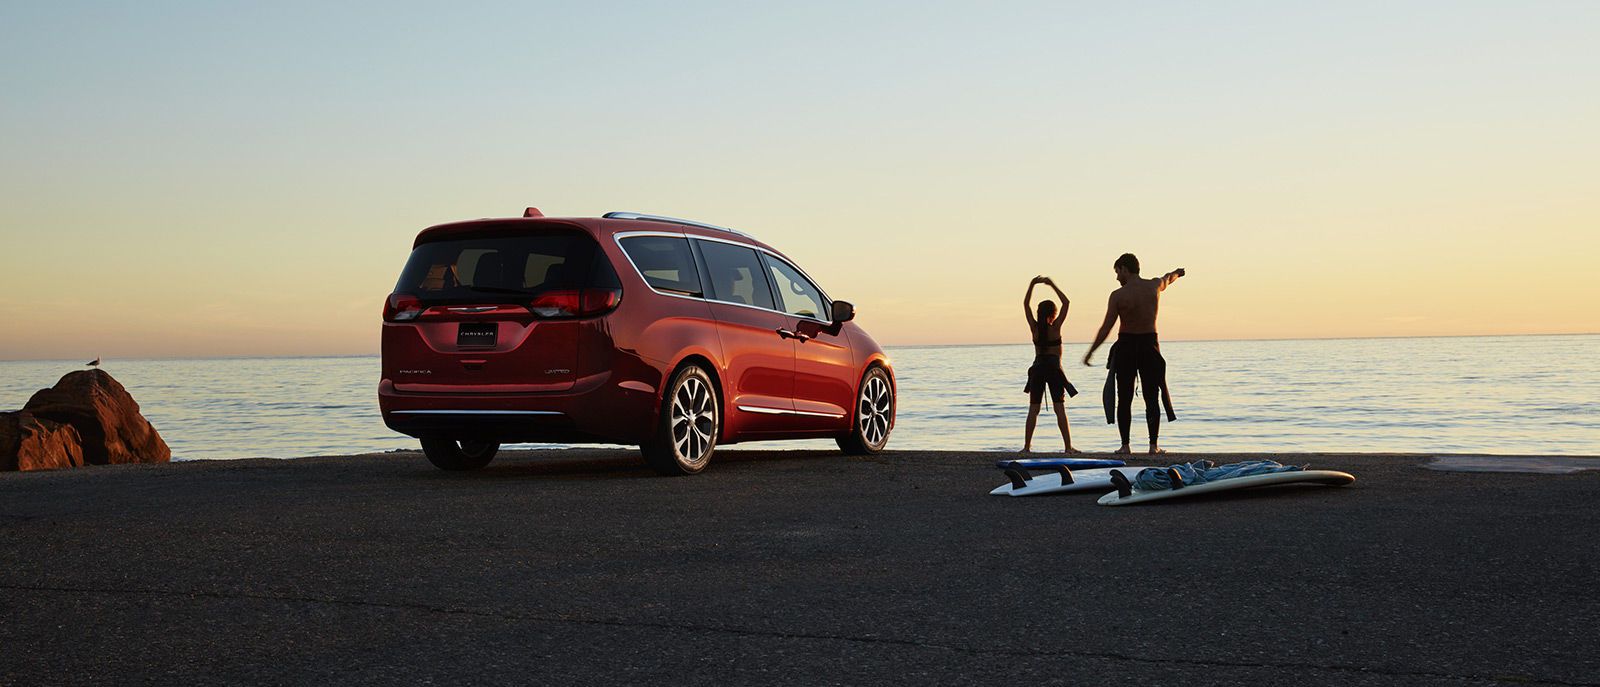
x=1046 y=374
x=1139 y=355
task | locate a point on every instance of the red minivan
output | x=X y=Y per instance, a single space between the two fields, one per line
x=674 y=335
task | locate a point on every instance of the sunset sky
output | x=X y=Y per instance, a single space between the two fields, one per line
x=185 y=179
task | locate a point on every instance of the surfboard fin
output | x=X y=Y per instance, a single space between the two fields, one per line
x=1175 y=478
x=1120 y=481
x=1019 y=478
x=1066 y=474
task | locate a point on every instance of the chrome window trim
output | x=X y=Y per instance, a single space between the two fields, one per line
x=619 y=236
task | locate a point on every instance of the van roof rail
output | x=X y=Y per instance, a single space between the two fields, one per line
x=673 y=220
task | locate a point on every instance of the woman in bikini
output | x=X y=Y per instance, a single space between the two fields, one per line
x=1046 y=371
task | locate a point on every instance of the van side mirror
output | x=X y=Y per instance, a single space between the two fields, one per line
x=843 y=311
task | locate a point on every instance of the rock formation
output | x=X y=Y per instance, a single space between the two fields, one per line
x=103 y=421
x=28 y=442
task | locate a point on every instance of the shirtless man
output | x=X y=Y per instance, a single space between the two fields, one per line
x=1136 y=352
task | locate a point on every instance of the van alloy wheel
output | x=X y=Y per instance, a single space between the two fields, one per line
x=690 y=423
x=873 y=412
x=694 y=419
x=874 y=415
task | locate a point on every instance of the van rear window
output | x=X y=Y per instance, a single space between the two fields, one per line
x=476 y=268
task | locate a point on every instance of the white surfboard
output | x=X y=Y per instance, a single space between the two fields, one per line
x=1328 y=477
x=1096 y=480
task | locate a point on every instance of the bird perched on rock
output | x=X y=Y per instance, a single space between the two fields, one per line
x=94 y=363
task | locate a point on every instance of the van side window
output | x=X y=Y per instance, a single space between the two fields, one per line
x=800 y=296
x=736 y=274
x=665 y=262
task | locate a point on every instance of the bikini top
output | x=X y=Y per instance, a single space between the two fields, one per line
x=1043 y=346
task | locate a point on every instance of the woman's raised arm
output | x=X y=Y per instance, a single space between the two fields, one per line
x=1027 y=302
x=1065 y=303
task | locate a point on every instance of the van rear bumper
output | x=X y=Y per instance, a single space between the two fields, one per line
x=599 y=413
x=505 y=426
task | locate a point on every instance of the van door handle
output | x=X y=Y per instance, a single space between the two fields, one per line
x=786 y=334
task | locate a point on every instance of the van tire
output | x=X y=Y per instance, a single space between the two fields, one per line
x=872 y=418
x=687 y=426
x=449 y=454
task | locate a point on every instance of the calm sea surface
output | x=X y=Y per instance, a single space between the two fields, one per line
x=1515 y=395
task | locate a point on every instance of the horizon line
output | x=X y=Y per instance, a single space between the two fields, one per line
x=886 y=346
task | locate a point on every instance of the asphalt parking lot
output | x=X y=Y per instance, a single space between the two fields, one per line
x=785 y=567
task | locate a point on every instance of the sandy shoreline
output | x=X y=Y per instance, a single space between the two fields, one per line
x=786 y=567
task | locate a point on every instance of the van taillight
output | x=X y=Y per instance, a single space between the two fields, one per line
x=576 y=302
x=401 y=308
x=596 y=301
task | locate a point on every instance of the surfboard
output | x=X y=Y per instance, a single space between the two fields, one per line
x=1135 y=496
x=1074 y=463
x=1097 y=480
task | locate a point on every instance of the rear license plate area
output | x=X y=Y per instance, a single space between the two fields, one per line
x=477 y=334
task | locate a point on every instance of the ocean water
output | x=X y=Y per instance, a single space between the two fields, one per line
x=1510 y=395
